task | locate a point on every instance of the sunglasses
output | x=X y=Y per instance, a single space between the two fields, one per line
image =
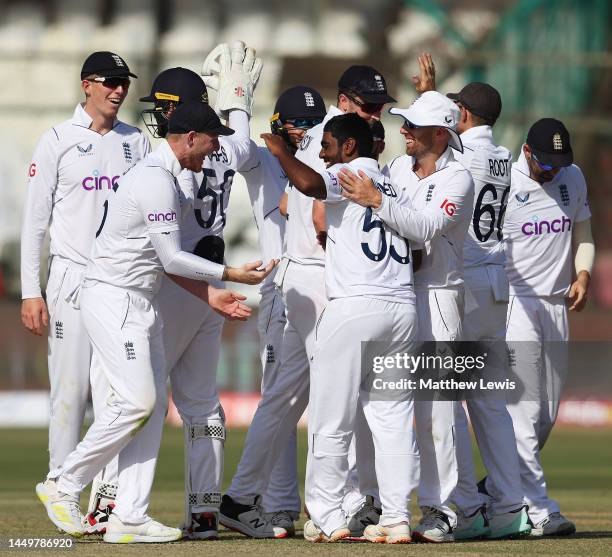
x=370 y=108
x=545 y=167
x=113 y=82
x=410 y=126
x=304 y=123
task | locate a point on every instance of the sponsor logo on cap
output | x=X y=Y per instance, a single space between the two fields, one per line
x=118 y=61
x=380 y=85
x=308 y=98
x=448 y=119
x=557 y=143
x=167 y=97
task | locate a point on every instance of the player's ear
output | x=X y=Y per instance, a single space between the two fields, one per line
x=86 y=86
x=349 y=146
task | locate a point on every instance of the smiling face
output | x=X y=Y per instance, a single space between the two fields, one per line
x=200 y=145
x=331 y=153
x=419 y=141
x=105 y=98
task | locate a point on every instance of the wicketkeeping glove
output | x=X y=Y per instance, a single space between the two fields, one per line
x=233 y=73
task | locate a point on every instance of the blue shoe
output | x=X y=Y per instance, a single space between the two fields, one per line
x=513 y=524
x=473 y=527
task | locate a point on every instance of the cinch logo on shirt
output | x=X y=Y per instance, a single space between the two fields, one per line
x=536 y=228
x=97 y=182
x=156 y=217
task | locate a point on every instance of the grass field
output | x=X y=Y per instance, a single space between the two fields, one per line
x=578 y=464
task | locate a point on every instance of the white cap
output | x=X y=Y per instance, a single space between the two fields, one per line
x=433 y=109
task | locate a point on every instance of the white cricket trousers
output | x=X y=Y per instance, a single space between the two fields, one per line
x=125 y=333
x=440 y=313
x=284 y=402
x=537 y=335
x=485 y=320
x=337 y=381
x=69 y=361
x=283 y=491
x=192 y=345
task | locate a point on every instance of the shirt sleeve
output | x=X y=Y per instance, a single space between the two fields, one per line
x=157 y=197
x=583 y=211
x=332 y=184
x=37 y=213
x=240 y=140
x=446 y=210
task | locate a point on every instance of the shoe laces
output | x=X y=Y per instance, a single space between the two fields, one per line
x=280 y=517
x=365 y=510
x=432 y=518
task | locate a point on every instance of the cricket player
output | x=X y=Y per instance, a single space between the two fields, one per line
x=485 y=318
x=547 y=213
x=192 y=330
x=297 y=110
x=442 y=192
x=300 y=277
x=75 y=166
x=139 y=236
x=368 y=277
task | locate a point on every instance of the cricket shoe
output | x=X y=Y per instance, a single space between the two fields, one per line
x=510 y=525
x=204 y=526
x=313 y=533
x=394 y=533
x=63 y=510
x=433 y=527
x=367 y=515
x=249 y=520
x=284 y=519
x=555 y=524
x=472 y=527
x=150 y=531
x=94 y=523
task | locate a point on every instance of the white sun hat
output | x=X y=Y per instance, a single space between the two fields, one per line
x=433 y=109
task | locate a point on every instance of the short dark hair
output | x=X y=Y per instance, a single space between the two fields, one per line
x=350 y=125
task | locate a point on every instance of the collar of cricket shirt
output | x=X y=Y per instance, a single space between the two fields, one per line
x=81 y=118
x=168 y=158
x=477 y=134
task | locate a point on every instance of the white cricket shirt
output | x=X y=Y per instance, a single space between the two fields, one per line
x=364 y=256
x=266 y=182
x=145 y=200
x=205 y=195
x=301 y=237
x=72 y=171
x=489 y=165
x=538 y=230
x=445 y=199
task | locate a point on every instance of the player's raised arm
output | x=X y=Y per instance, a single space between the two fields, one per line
x=304 y=178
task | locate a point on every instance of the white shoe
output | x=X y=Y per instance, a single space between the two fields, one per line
x=555 y=524
x=313 y=533
x=434 y=527
x=63 y=510
x=394 y=533
x=150 y=531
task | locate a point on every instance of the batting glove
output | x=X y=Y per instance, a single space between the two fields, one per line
x=233 y=73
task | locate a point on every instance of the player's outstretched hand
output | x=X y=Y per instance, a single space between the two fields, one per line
x=228 y=304
x=250 y=273
x=275 y=144
x=426 y=80
x=34 y=315
x=578 y=292
x=359 y=189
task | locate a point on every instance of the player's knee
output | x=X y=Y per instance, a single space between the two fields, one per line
x=336 y=445
x=144 y=404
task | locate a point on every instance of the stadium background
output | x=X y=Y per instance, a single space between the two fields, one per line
x=548 y=58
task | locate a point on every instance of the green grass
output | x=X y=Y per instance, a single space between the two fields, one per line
x=578 y=464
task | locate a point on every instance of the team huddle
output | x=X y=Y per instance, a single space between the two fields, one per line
x=451 y=241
